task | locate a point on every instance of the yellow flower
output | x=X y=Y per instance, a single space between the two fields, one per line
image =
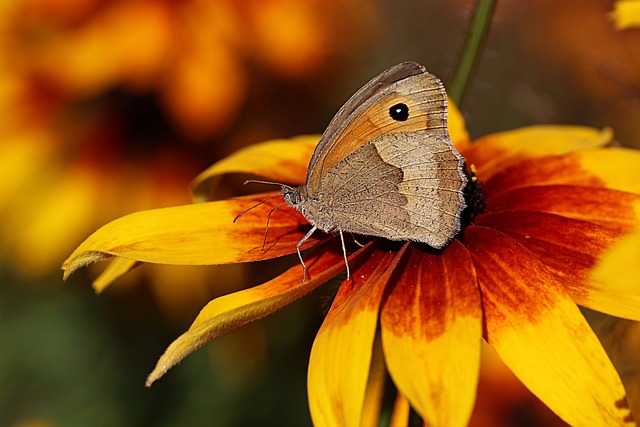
x=554 y=199
x=626 y=14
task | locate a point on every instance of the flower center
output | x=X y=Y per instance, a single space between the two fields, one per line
x=473 y=198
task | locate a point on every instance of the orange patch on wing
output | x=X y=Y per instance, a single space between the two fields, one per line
x=341 y=353
x=616 y=210
x=431 y=332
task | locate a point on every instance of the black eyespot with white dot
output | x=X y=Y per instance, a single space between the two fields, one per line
x=399 y=112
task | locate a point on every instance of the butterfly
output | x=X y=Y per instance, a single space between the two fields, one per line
x=385 y=166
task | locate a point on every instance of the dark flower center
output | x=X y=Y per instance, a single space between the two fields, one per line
x=474 y=199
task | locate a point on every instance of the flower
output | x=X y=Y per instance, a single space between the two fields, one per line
x=626 y=14
x=554 y=199
x=195 y=56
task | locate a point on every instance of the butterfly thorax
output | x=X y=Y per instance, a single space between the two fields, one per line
x=310 y=206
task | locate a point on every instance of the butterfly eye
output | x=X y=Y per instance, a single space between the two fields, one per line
x=399 y=112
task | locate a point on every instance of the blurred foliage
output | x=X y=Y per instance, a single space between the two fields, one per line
x=71 y=359
x=112 y=106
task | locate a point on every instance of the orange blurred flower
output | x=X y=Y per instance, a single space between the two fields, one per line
x=191 y=53
x=74 y=151
x=554 y=198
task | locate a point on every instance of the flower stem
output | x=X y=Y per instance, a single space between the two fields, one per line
x=478 y=29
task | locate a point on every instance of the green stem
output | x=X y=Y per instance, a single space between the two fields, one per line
x=478 y=29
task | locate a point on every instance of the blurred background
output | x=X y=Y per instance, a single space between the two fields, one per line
x=112 y=106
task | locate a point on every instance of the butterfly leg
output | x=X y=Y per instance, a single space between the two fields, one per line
x=344 y=252
x=266 y=230
x=300 y=243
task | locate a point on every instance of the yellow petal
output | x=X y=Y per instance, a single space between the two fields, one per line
x=457 y=128
x=375 y=388
x=431 y=334
x=231 y=311
x=198 y=234
x=495 y=152
x=614 y=167
x=117 y=268
x=626 y=14
x=341 y=353
x=280 y=160
x=618 y=270
x=400 y=412
x=538 y=331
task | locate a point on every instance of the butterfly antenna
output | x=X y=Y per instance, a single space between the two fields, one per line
x=266 y=230
x=257 y=181
x=255 y=206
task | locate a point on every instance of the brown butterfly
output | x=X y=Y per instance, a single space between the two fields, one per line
x=385 y=165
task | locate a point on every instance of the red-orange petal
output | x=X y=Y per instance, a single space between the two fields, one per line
x=498 y=151
x=603 y=167
x=541 y=335
x=341 y=353
x=613 y=209
x=230 y=311
x=197 y=234
x=569 y=248
x=431 y=333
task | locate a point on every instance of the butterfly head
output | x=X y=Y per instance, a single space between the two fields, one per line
x=294 y=196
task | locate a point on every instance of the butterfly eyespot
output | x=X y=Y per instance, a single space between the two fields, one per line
x=399 y=112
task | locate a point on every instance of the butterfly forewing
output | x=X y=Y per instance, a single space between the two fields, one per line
x=366 y=115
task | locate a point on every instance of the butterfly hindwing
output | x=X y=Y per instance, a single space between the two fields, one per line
x=414 y=178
